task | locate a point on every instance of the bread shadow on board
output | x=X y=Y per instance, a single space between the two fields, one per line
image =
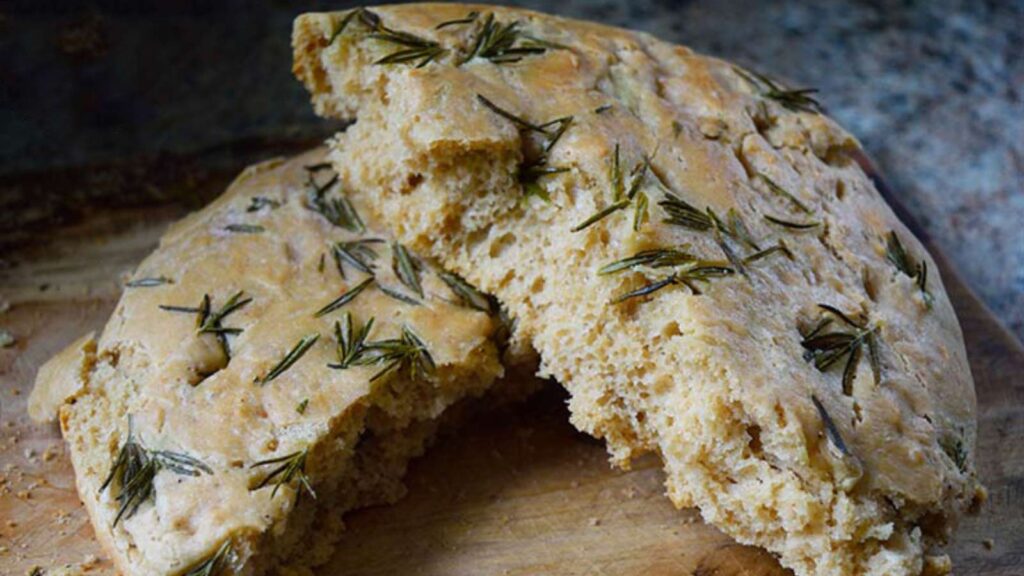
x=522 y=492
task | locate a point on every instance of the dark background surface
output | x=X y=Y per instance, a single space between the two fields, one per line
x=122 y=90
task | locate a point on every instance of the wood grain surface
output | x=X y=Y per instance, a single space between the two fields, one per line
x=519 y=492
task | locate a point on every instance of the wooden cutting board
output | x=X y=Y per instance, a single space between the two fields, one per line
x=519 y=492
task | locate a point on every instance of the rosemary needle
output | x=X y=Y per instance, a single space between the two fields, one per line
x=406 y=268
x=345 y=298
x=292 y=467
x=214 y=564
x=290 y=358
x=149 y=282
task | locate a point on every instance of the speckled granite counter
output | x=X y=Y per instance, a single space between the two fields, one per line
x=932 y=89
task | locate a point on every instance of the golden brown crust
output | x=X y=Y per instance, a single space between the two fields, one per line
x=715 y=382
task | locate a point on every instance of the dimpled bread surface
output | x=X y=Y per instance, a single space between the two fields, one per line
x=807 y=393
x=186 y=393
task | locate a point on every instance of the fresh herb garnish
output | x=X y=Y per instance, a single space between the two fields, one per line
x=412 y=48
x=798 y=100
x=830 y=427
x=395 y=294
x=780 y=191
x=134 y=469
x=293 y=356
x=467 y=19
x=257 y=203
x=896 y=254
x=602 y=109
x=301 y=408
x=790 y=224
x=682 y=213
x=536 y=166
x=292 y=467
x=622 y=196
x=407 y=352
x=658 y=258
x=351 y=339
x=827 y=349
x=467 y=294
x=686 y=275
x=504 y=43
x=209 y=322
x=149 y=282
x=406 y=268
x=356 y=253
x=245 y=228
x=214 y=564
x=345 y=298
x=337 y=210
x=779 y=248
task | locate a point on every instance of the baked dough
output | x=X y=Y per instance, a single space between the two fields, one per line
x=692 y=251
x=204 y=407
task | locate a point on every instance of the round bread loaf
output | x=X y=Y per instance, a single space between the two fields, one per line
x=694 y=253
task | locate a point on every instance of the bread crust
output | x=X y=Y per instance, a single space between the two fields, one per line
x=855 y=474
x=187 y=392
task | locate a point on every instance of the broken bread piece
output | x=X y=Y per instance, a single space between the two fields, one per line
x=693 y=252
x=274 y=363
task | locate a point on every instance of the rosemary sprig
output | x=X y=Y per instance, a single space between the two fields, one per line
x=406 y=268
x=257 y=203
x=214 y=564
x=149 y=282
x=412 y=48
x=896 y=254
x=518 y=121
x=778 y=248
x=621 y=195
x=467 y=294
x=301 y=408
x=208 y=322
x=356 y=253
x=293 y=356
x=291 y=467
x=688 y=275
x=536 y=168
x=467 y=19
x=245 y=228
x=791 y=225
x=797 y=100
x=658 y=258
x=396 y=295
x=780 y=191
x=682 y=213
x=345 y=298
x=831 y=431
x=351 y=339
x=337 y=210
x=503 y=43
x=134 y=469
x=314 y=168
x=406 y=352
x=602 y=109
x=827 y=349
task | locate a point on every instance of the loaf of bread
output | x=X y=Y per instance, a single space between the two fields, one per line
x=693 y=252
x=273 y=364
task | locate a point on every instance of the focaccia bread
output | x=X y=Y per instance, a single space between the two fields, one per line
x=693 y=252
x=240 y=375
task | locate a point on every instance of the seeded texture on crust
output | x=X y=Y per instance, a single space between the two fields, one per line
x=845 y=448
x=210 y=403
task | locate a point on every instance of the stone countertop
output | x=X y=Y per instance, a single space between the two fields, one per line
x=932 y=90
